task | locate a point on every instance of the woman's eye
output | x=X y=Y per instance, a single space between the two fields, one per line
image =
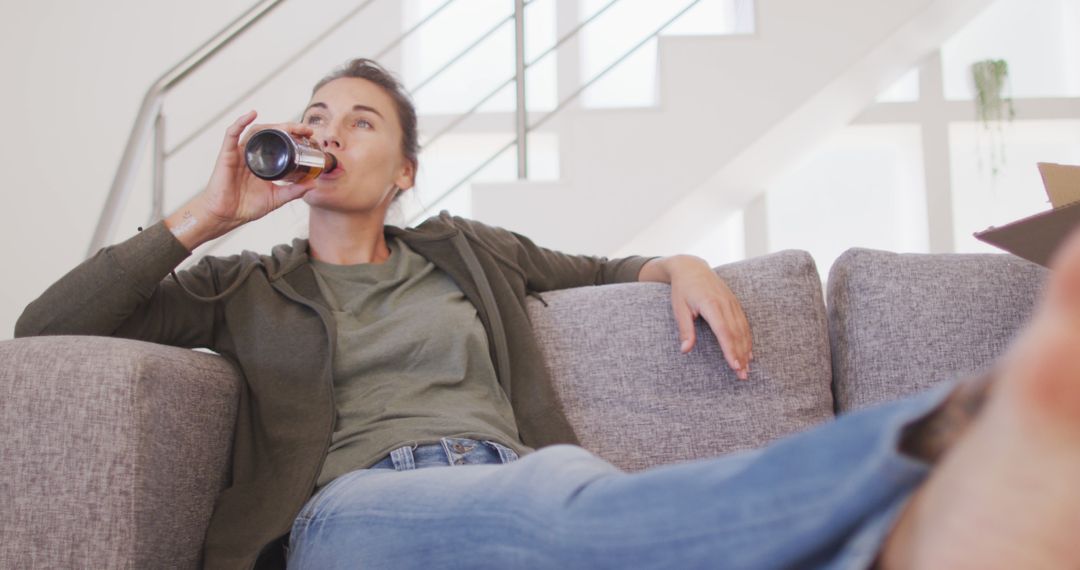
x=317 y=120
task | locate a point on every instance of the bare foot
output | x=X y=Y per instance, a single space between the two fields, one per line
x=1007 y=493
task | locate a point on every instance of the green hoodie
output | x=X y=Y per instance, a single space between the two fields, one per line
x=267 y=316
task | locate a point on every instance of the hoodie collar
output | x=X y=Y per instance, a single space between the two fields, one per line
x=284 y=259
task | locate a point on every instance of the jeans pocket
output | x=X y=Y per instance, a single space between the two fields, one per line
x=505 y=453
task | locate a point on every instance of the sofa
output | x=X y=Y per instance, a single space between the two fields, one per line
x=114 y=450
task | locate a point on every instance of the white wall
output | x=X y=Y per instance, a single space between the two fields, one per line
x=74 y=74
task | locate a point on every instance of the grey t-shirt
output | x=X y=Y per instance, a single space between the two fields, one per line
x=411 y=363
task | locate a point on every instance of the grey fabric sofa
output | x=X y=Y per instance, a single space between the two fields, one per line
x=114 y=451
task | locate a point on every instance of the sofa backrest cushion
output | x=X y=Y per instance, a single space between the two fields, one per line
x=636 y=401
x=901 y=323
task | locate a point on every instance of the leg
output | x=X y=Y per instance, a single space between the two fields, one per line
x=1005 y=495
x=825 y=497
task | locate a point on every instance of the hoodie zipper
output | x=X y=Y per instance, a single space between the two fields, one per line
x=331 y=333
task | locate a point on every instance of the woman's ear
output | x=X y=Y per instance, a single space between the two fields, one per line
x=407 y=177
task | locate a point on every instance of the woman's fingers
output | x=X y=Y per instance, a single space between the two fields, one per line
x=232 y=134
x=702 y=292
x=742 y=329
x=284 y=195
x=729 y=343
x=684 y=319
x=748 y=336
x=736 y=319
x=298 y=130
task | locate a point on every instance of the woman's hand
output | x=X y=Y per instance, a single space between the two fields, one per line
x=234 y=196
x=697 y=291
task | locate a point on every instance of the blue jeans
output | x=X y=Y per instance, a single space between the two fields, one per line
x=823 y=498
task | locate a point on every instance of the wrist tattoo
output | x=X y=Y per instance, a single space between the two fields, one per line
x=189 y=222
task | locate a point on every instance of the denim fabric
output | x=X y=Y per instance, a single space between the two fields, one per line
x=823 y=498
x=449 y=451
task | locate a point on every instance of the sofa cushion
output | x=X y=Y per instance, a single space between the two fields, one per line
x=114 y=451
x=636 y=401
x=901 y=323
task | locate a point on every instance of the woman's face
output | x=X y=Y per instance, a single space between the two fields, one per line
x=357 y=122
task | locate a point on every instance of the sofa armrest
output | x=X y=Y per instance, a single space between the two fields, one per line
x=114 y=451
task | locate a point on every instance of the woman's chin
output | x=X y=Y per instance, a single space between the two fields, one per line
x=321 y=199
x=323 y=192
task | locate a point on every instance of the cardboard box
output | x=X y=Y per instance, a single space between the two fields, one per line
x=1037 y=237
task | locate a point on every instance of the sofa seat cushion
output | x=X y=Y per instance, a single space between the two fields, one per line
x=902 y=323
x=636 y=401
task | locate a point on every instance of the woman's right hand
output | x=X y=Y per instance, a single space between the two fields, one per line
x=234 y=196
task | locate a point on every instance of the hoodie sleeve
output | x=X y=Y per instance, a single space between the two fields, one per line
x=125 y=290
x=547 y=269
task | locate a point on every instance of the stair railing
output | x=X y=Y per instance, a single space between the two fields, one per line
x=150 y=122
x=523 y=132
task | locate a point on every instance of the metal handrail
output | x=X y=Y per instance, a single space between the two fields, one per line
x=523 y=129
x=151 y=107
x=521 y=120
x=267 y=78
x=150 y=120
x=386 y=49
x=311 y=45
x=262 y=83
x=560 y=106
x=397 y=41
x=472 y=110
x=427 y=80
x=622 y=58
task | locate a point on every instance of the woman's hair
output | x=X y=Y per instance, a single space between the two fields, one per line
x=368 y=69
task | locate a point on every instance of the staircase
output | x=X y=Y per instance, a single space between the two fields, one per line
x=733 y=113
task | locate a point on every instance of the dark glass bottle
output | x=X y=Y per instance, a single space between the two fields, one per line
x=276 y=155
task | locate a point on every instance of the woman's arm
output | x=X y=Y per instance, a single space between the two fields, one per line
x=123 y=289
x=697 y=291
x=547 y=269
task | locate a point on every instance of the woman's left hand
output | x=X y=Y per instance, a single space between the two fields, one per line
x=697 y=291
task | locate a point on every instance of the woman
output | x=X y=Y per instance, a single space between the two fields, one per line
x=371 y=353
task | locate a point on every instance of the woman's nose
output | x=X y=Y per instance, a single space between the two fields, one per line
x=329 y=140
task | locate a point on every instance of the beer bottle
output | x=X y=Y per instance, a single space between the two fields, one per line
x=278 y=156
